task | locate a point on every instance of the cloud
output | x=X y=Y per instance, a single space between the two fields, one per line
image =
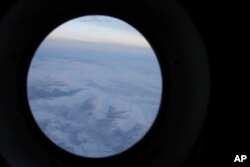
x=93 y=103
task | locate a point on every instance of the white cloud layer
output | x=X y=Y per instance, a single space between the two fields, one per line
x=92 y=102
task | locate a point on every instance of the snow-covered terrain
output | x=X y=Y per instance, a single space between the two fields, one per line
x=94 y=99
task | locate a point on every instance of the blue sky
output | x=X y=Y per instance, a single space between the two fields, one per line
x=99 y=29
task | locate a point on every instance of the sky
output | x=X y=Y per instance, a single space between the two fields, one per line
x=99 y=29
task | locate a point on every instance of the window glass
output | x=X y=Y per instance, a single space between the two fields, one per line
x=94 y=86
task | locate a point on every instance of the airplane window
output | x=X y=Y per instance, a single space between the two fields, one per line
x=94 y=86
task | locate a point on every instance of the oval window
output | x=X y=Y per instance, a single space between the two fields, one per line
x=94 y=86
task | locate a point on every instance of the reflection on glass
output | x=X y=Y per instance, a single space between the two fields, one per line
x=94 y=86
